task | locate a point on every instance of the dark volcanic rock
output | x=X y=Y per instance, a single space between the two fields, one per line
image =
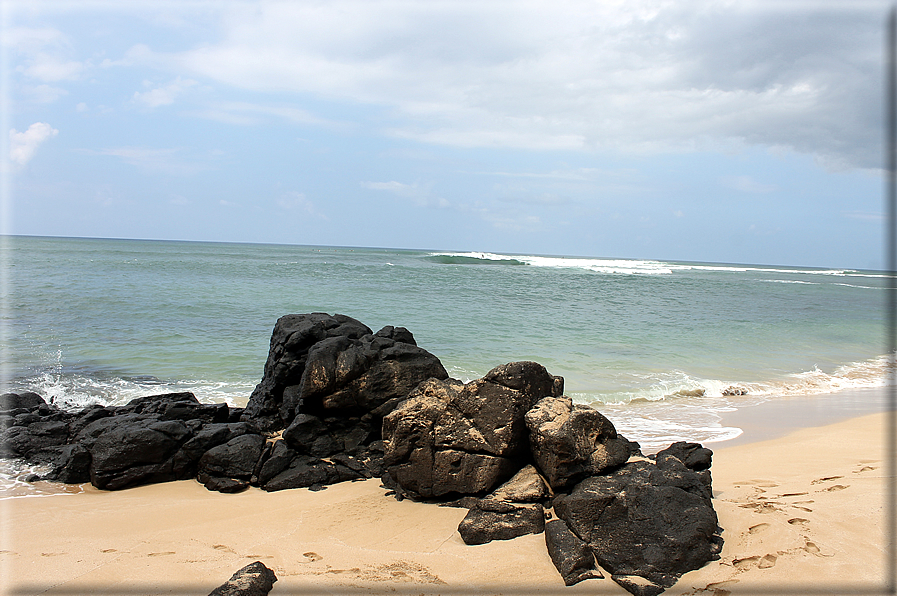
x=693 y=455
x=136 y=453
x=646 y=521
x=450 y=437
x=237 y=458
x=305 y=471
x=571 y=556
x=72 y=465
x=571 y=441
x=325 y=365
x=27 y=400
x=253 y=580
x=498 y=520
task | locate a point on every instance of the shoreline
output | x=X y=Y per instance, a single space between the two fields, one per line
x=780 y=416
x=803 y=512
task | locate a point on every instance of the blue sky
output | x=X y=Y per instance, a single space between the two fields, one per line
x=724 y=131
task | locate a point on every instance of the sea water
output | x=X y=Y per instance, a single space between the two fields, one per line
x=652 y=344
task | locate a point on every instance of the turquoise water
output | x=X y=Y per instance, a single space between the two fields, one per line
x=653 y=344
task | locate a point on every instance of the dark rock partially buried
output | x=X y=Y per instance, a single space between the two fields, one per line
x=253 y=580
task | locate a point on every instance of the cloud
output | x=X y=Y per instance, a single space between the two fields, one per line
x=42 y=94
x=247 y=113
x=44 y=54
x=420 y=195
x=163 y=96
x=297 y=201
x=641 y=76
x=747 y=184
x=23 y=145
x=166 y=161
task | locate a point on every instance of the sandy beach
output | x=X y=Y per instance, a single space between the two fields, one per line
x=804 y=513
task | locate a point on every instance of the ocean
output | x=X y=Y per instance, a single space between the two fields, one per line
x=654 y=345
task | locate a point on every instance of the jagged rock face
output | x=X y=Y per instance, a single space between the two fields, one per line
x=450 y=437
x=655 y=522
x=324 y=365
x=571 y=441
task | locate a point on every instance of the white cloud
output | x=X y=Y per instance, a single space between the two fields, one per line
x=165 y=95
x=166 y=161
x=246 y=113
x=51 y=69
x=747 y=184
x=634 y=76
x=23 y=145
x=297 y=201
x=420 y=195
x=42 y=94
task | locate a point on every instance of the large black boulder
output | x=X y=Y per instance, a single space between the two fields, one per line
x=644 y=520
x=324 y=365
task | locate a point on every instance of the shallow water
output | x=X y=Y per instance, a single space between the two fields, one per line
x=652 y=344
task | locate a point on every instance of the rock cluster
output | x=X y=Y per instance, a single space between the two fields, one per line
x=646 y=521
x=338 y=402
x=314 y=419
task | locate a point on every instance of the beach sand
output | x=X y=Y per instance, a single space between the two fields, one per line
x=803 y=513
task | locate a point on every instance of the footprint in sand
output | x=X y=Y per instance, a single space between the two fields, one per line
x=762 y=507
x=836 y=487
x=108 y=550
x=224 y=547
x=758 y=528
x=719 y=588
x=745 y=563
x=865 y=469
x=799 y=521
x=161 y=554
x=764 y=562
x=811 y=548
x=52 y=554
x=826 y=479
x=312 y=556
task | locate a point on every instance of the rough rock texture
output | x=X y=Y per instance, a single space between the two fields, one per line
x=654 y=522
x=253 y=580
x=571 y=556
x=449 y=437
x=324 y=365
x=513 y=509
x=499 y=520
x=571 y=441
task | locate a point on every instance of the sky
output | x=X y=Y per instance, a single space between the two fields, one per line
x=696 y=130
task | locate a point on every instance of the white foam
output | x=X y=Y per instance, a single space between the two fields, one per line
x=75 y=392
x=648 y=267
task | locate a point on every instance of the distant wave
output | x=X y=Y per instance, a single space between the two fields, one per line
x=473 y=258
x=630 y=266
